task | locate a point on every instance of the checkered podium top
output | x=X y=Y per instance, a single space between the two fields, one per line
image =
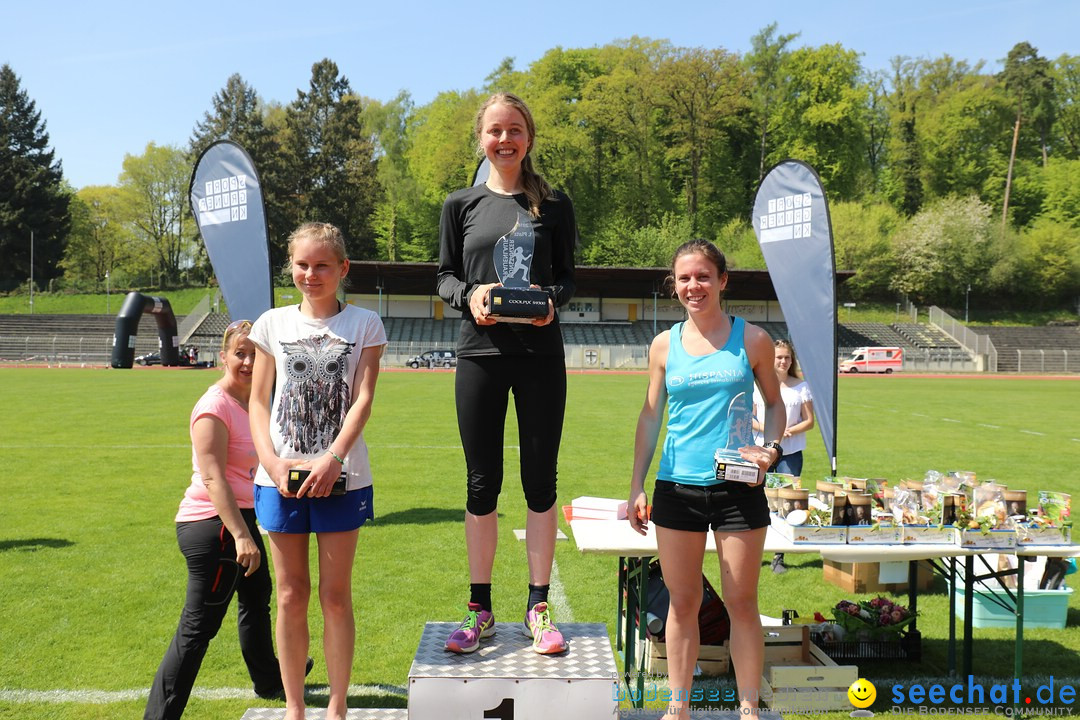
x=509 y=654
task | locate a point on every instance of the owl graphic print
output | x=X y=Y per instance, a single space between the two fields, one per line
x=315 y=367
x=315 y=396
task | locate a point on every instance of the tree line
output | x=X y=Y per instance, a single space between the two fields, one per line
x=941 y=175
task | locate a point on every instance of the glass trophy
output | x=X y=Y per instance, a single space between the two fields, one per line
x=516 y=301
x=727 y=462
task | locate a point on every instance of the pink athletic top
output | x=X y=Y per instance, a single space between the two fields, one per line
x=239 y=465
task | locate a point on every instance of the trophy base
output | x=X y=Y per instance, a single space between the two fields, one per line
x=731 y=466
x=518 y=304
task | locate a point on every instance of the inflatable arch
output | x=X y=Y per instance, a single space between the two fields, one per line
x=127 y=328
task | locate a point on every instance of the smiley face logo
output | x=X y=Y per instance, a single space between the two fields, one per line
x=862 y=693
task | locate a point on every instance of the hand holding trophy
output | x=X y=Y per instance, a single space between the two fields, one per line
x=728 y=462
x=514 y=299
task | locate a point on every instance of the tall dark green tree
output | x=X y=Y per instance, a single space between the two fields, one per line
x=332 y=166
x=906 y=169
x=1029 y=83
x=237 y=114
x=32 y=195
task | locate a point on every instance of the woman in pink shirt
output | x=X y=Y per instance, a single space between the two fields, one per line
x=216 y=530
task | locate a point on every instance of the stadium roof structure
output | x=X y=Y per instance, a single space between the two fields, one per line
x=406 y=278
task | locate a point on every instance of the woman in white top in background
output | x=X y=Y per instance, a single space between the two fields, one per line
x=795 y=392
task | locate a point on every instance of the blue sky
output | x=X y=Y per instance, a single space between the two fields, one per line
x=110 y=77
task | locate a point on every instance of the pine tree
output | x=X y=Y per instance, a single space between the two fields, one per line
x=32 y=197
x=332 y=159
x=239 y=115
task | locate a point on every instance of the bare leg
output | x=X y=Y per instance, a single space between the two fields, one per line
x=540 y=529
x=336 y=553
x=481 y=539
x=740 y=566
x=681 y=555
x=290 y=554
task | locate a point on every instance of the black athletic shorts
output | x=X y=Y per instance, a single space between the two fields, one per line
x=727 y=506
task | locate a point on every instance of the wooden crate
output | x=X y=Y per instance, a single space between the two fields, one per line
x=863 y=577
x=798 y=677
x=713 y=660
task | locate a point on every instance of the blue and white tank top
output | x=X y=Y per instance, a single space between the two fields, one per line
x=710 y=404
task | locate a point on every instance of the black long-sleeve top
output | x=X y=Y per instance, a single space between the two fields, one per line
x=472 y=221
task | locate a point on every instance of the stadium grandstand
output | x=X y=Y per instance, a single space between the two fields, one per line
x=614 y=316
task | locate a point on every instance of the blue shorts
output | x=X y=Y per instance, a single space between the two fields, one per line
x=334 y=513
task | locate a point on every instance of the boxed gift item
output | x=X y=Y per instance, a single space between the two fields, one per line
x=801 y=533
x=596 y=508
x=983 y=522
x=931 y=521
x=1049 y=523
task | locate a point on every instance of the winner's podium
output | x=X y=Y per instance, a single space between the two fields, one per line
x=318 y=713
x=506 y=679
x=503 y=680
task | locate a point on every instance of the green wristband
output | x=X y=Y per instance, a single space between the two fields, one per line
x=335 y=456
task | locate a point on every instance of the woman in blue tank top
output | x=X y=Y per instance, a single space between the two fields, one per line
x=704 y=370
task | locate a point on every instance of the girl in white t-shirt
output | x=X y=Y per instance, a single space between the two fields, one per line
x=321 y=359
x=795 y=392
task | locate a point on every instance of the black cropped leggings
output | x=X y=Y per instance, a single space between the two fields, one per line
x=482 y=389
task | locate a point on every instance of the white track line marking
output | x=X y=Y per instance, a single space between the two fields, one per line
x=951 y=420
x=103 y=697
x=920 y=415
x=992 y=427
x=558 y=595
x=1032 y=432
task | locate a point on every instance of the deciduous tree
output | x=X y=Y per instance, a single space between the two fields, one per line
x=703 y=93
x=766 y=64
x=156 y=189
x=101 y=241
x=823 y=119
x=1066 y=72
x=942 y=249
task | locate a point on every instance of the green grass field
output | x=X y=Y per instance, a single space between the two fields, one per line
x=91 y=581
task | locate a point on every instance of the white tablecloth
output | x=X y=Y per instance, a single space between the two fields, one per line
x=616 y=537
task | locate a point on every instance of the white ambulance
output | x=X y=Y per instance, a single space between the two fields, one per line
x=874 y=360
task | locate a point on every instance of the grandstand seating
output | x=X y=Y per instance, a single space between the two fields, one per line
x=78 y=337
x=925 y=337
x=88 y=338
x=1010 y=342
x=776 y=330
x=421 y=330
x=864 y=334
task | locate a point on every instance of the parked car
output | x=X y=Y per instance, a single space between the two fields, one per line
x=150 y=358
x=189 y=356
x=433 y=359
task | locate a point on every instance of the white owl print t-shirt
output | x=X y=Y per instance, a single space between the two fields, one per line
x=316 y=364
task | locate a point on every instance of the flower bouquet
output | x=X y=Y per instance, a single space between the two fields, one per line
x=876 y=619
